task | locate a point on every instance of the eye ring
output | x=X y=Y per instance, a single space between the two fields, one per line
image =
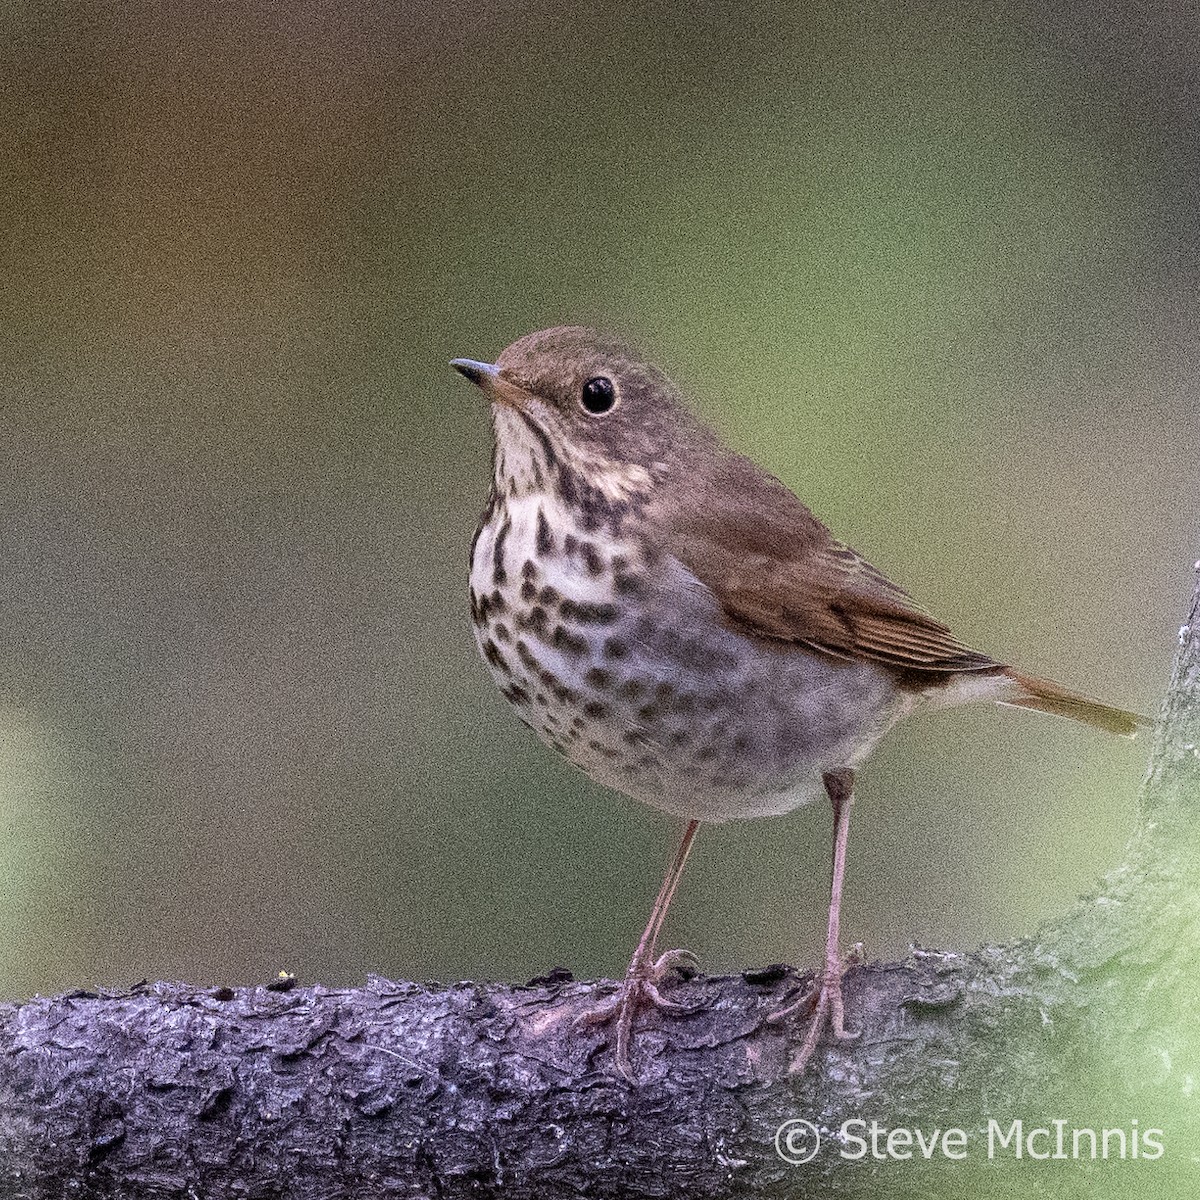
x=598 y=395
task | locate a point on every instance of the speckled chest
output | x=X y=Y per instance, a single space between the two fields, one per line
x=553 y=606
x=620 y=659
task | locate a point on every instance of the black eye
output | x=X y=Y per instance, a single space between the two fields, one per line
x=598 y=395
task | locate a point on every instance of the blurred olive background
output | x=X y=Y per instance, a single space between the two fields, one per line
x=934 y=266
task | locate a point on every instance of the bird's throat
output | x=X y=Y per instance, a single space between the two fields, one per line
x=531 y=458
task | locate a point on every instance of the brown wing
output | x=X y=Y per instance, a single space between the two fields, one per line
x=780 y=574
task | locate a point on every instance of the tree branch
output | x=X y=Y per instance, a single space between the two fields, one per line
x=399 y=1090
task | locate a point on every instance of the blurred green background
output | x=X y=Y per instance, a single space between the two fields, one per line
x=934 y=266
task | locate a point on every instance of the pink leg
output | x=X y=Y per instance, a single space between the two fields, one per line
x=666 y=894
x=840 y=787
x=644 y=971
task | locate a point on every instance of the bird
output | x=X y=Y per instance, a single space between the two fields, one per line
x=672 y=619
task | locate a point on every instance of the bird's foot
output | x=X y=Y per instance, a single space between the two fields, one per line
x=824 y=1003
x=640 y=987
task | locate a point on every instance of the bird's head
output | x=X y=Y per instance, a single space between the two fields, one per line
x=574 y=400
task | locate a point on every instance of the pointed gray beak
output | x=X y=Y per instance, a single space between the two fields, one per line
x=477 y=372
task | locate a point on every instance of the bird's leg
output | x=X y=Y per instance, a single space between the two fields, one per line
x=826 y=1003
x=645 y=971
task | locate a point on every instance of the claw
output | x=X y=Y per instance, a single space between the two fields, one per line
x=680 y=960
x=806 y=1002
x=640 y=986
x=827 y=1009
x=664 y=1005
x=599 y=1012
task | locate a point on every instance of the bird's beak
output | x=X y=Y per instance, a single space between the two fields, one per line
x=482 y=374
x=487 y=377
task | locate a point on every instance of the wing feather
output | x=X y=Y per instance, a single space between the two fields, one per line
x=779 y=574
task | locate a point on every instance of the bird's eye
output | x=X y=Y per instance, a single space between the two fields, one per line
x=598 y=395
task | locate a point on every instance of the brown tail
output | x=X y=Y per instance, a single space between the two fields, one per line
x=1044 y=696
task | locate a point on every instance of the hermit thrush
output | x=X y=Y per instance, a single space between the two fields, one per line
x=674 y=621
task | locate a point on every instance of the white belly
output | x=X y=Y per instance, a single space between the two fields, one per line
x=645 y=688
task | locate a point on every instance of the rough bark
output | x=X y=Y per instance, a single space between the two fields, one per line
x=402 y=1090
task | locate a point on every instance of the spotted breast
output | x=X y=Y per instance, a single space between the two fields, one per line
x=618 y=657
